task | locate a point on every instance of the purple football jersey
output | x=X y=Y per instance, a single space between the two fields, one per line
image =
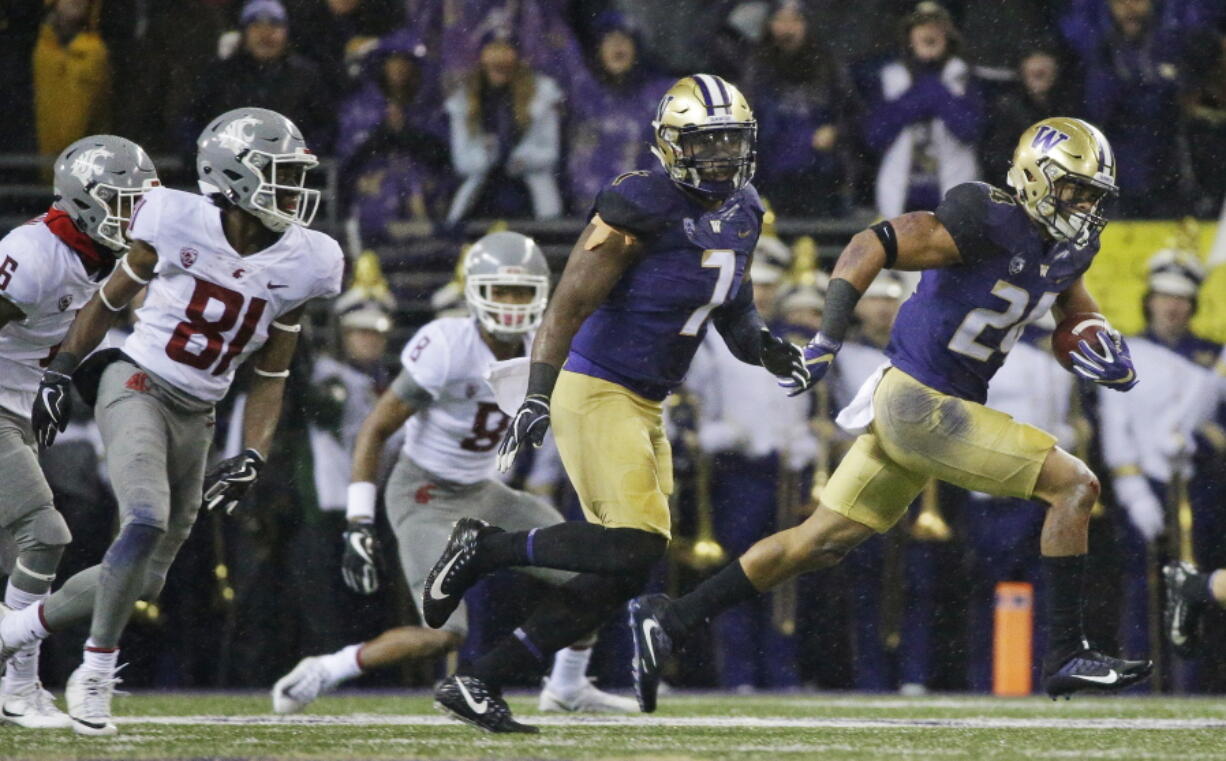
x=694 y=260
x=953 y=333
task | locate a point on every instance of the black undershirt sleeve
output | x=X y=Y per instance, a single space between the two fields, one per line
x=741 y=326
x=965 y=214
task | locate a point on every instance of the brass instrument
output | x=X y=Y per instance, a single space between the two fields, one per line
x=702 y=552
x=929 y=524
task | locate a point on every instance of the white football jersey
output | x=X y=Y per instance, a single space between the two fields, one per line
x=456 y=435
x=208 y=308
x=44 y=278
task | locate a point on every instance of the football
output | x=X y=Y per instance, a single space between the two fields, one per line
x=1077 y=327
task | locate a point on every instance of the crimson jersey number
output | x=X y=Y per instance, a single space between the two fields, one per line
x=486 y=433
x=214 y=331
x=7 y=268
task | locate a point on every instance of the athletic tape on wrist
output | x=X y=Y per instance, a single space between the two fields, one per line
x=272 y=374
x=297 y=328
x=360 y=506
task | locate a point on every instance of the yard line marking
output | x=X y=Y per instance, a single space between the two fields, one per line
x=678 y=722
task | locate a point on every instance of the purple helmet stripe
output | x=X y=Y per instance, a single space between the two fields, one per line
x=706 y=95
x=723 y=94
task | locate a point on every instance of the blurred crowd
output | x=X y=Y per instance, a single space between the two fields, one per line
x=440 y=110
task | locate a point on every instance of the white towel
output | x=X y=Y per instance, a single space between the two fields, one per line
x=856 y=417
x=509 y=381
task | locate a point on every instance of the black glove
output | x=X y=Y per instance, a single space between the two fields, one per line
x=52 y=407
x=360 y=565
x=784 y=359
x=528 y=426
x=229 y=481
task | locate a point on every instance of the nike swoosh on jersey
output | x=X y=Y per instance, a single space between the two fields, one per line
x=649 y=626
x=436 y=589
x=275 y=286
x=1111 y=677
x=478 y=708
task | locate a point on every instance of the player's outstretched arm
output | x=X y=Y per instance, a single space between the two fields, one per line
x=53 y=403
x=596 y=263
x=229 y=480
x=914 y=241
x=360 y=563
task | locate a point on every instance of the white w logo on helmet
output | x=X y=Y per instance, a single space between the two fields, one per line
x=89 y=164
x=238 y=134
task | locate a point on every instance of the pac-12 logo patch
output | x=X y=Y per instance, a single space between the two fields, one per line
x=65 y=302
x=187 y=256
x=1017 y=264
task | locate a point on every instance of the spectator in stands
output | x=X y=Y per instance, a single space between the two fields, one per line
x=72 y=77
x=609 y=113
x=926 y=117
x=335 y=34
x=1204 y=109
x=805 y=103
x=392 y=146
x=19 y=32
x=1086 y=24
x=505 y=137
x=263 y=72
x=1132 y=94
x=1041 y=92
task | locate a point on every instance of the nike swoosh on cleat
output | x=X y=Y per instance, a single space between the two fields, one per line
x=10 y=715
x=436 y=589
x=478 y=708
x=650 y=626
x=1111 y=677
x=90 y=724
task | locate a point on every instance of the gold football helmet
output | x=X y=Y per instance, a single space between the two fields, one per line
x=1063 y=170
x=706 y=136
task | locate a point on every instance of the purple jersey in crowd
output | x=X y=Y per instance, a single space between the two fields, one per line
x=645 y=333
x=953 y=333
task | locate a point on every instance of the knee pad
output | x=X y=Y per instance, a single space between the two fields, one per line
x=134 y=544
x=42 y=529
x=145 y=518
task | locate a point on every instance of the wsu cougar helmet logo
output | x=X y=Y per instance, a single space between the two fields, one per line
x=238 y=134
x=89 y=164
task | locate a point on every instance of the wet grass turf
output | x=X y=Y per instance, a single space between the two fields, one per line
x=830 y=727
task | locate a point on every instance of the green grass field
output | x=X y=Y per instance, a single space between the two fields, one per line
x=826 y=726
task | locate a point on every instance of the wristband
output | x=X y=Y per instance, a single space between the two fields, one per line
x=360 y=506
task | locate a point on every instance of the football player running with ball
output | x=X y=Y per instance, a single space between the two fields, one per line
x=993 y=262
x=49 y=269
x=227 y=275
x=446 y=470
x=665 y=251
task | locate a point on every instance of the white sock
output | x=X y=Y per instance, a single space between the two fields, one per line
x=100 y=658
x=570 y=669
x=21 y=627
x=22 y=668
x=343 y=664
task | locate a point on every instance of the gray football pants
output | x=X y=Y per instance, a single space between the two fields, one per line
x=27 y=510
x=157 y=441
x=423 y=509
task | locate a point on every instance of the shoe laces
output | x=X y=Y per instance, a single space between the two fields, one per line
x=42 y=700
x=100 y=688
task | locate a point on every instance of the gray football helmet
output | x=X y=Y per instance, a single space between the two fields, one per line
x=506 y=259
x=258 y=160
x=98 y=181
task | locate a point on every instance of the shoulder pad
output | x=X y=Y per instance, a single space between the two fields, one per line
x=753 y=200
x=638 y=202
x=970 y=212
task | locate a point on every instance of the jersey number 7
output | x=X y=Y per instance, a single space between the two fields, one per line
x=214 y=331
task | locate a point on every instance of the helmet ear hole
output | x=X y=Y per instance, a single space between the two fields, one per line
x=1029 y=176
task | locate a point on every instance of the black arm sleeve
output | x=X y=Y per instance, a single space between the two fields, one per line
x=841 y=298
x=965 y=214
x=741 y=326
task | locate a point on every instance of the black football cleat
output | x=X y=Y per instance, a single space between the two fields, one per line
x=651 y=646
x=470 y=700
x=1091 y=670
x=453 y=574
x=1180 y=614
